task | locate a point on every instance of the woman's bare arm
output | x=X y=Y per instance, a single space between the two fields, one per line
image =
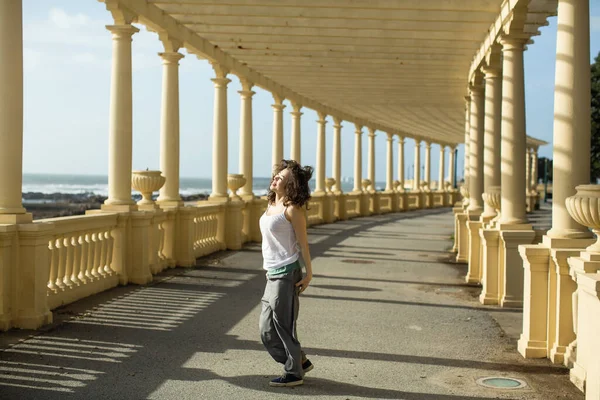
x=298 y=220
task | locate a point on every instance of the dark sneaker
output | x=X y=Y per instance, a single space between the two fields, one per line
x=307 y=366
x=286 y=380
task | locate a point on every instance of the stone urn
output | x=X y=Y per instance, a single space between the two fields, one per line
x=584 y=207
x=464 y=192
x=147 y=182
x=234 y=183
x=425 y=186
x=492 y=198
x=365 y=184
x=329 y=182
x=448 y=187
x=396 y=185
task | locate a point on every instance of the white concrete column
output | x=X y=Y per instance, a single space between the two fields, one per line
x=389 y=177
x=467 y=165
x=571 y=154
x=492 y=136
x=169 y=129
x=513 y=132
x=534 y=169
x=428 y=164
x=442 y=165
x=320 y=170
x=451 y=166
x=401 y=163
x=337 y=155
x=277 y=153
x=246 y=141
x=357 y=159
x=220 y=132
x=417 y=175
x=295 y=148
x=476 y=150
x=371 y=158
x=120 y=115
x=11 y=109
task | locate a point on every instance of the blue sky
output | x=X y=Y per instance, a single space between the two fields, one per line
x=67 y=53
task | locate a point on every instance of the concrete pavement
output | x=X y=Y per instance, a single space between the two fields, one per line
x=387 y=316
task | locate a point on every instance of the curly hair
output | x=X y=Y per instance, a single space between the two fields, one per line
x=296 y=188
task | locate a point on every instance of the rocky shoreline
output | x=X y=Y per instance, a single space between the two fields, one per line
x=52 y=205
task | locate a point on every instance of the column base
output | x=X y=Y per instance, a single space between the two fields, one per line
x=490 y=240
x=531 y=348
x=578 y=376
x=511 y=302
x=34 y=321
x=170 y=203
x=511 y=268
x=557 y=354
x=216 y=199
x=13 y=219
x=119 y=207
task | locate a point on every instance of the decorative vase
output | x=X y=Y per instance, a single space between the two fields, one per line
x=329 y=182
x=584 y=207
x=492 y=198
x=234 y=183
x=147 y=182
x=365 y=184
x=396 y=185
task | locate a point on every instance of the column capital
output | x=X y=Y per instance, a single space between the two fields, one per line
x=513 y=42
x=221 y=82
x=371 y=132
x=417 y=142
x=171 y=57
x=390 y=136
x=476 y=90
x=401 y=140
x=278 y=99
x=245 y=94
x=296 y=114
x=337 y=122
x=491 y=72
x=121 y=14
x=171 y=45
x=124 y=31
x=246 y=85
x=427 y=145
x=322 y=117
x=220 y=71
x=296 y=106
x=278 y=107
x=358 y=129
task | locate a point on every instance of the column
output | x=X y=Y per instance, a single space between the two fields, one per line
x=169 y=129
x=476 y=150
x=417 y=174
x=11 y=112
x=492 y=135
x=219 y=173
x=295 y=150
x=337 y=155
x=389 y=177
x=428 y=164
x=357 y=159
x=527 y=169
x=401 y=164
x=534 y=169
x=277 y=153
x=442 y=162
x=246 y=141
x=513 y=132
x=320 y=170
x=451 y=166
x=120 y=115
x=371 y=167
x=467 y=138
x=571 y=155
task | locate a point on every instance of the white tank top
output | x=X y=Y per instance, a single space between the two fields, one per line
x=279 y=244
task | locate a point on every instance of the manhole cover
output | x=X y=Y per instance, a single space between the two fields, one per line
x=355 y=261
x=501 y=383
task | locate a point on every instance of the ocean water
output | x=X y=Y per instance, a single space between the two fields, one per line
x=98 y=184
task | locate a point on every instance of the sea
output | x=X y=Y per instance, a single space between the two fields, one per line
x=98 y=184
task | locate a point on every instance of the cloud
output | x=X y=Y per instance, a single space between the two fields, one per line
x=595 y=24
x=62 y=20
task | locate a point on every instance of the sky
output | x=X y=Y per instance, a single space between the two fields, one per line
x=67 y=56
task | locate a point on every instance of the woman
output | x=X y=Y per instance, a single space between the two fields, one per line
x=284 y=241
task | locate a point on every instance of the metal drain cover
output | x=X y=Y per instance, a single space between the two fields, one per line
x=496 y=382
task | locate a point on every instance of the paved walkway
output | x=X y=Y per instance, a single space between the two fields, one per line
x=387 y=316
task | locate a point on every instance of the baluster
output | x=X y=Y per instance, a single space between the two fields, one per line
x=53 y=266
x=214 y=227
x=89 y=265
x=196 y=233
x=161 y=242
x=96 y=252
x=69 y=262
x=60 y=271
x=102 y=260
x=82 y=258
x=110 y=242
x=76 y=259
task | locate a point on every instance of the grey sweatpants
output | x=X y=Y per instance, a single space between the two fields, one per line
x=277 y=322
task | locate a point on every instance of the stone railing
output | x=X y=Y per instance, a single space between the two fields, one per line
x=353 y=204
x=413 y=200
x=315 y=210
x=208 y=228
x=81 y=255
